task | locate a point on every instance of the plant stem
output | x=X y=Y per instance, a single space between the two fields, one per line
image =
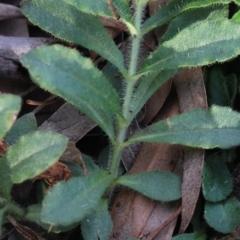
x=122 y=129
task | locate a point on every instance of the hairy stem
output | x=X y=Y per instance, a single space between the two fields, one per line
x=122 y=128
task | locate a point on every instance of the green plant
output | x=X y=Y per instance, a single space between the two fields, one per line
x=190 y=41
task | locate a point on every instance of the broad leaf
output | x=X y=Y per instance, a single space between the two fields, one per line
x=66 y=22
x=74 y=199
x=66 y=73
x=174 y=8
x=191 y=236
x=24 y=125
x=154 y=185
x=9 y=107
x=33 y=214
x=216 y=127
x=147 y=86
x=190 y=47
x=221 y=90
x=97 y=225
x=100 y=7
x=223 y=216
x=217 y=182
x=30 y=156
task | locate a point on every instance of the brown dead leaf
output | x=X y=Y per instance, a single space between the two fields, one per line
x=156 y=102
x=73 y=155
x=26 y=232
x=3 y=147
x=8 y=11
x=191 y=94
x=70 y=122
x=135 y=215
x=55 y=173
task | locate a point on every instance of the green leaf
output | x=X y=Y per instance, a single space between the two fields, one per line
x=216 y=127
x=162 y=186
x=221 y=90
x=193 y=17
x=30 y=156
x=147 y=86
x=69 y=202
x=66 y=22
x=89 y=164
x=217 y=182
x=2 y=211
x=122 y=7
x=190 y=47
x=223 y=216
x=191 y=236
x=9 y=107
x=33 y=214
x=97 y=225
x=174 y=8
x=24 y=125
x=66 y=73
x=99 y=7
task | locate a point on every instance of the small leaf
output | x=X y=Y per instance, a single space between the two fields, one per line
x=217 y=182
x=221 y=90
x=9 y=107
x=122 y=7
x=30 y=156
x=147 y=86
x=223 y=216
x=97 y=225
x=174 y=8
x=74 y=199
x=162 y=186
x=191 y=236
x=66 y=73
x=24 y=125
x=66 y=22
x=190 y=47
x=2 y=211
x=216 y=127
x=99 y=7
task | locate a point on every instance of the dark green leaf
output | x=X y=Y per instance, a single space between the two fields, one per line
x=190 y=47
x=69 y=202
x=174 y=8
x=216 y=127
x=30 y=156
x=223 y=216
x=66 y=22
x=9 y=107
x=162 y=186
x=221 y=90
x=66 y=73
x=191 y=236
x=24 y=125
x=97 y=225
x=99 y=7
x=122 y=7
x=2 y=211
x=33 y=214
x=89 y=164
x=193 y=17
x=147 y=86
x=217 y=181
